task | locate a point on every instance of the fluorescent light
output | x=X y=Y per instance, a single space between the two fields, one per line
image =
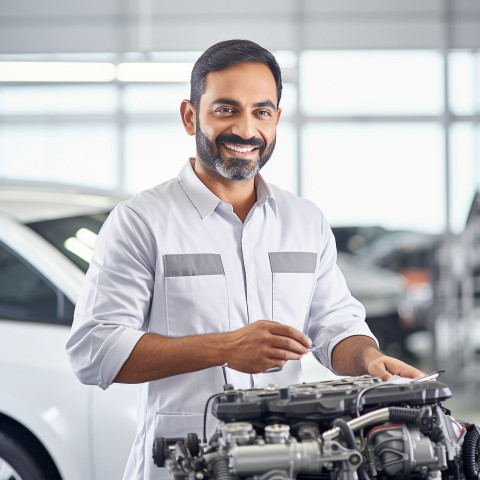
x=154 y=72
x=95 y=72
x=86 y=236
x=78 y=248
x=57 y=72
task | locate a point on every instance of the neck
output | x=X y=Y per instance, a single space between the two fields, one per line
x=240 y=194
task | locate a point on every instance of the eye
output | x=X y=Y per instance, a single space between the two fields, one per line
x=224 y=110
x=263 y=113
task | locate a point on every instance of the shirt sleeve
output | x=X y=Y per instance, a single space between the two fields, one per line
x=334 y=313
x=114 y=304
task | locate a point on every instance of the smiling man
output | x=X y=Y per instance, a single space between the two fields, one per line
x=217 y=276
x=224 y=144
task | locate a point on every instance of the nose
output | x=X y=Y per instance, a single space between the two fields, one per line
x=244 y=126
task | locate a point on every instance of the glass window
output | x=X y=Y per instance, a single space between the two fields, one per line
x=155 y=152
x=464 y=171
x=24 y=295
x=391 y=175
x=371 y=82
x=148 y=98
x=58 y=99
x=74 y=236
x=281 y=169
x=77 y=153
x=288 y=102
x=464 y=82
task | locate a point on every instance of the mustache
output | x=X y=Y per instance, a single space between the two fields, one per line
x=236 y=140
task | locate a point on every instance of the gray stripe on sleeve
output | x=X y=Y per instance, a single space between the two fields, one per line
x=193 y=264
x=293 y=262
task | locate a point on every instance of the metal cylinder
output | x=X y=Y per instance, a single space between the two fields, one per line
x=277 y=433
x=304 y=457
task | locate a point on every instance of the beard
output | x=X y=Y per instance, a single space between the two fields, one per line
x=231 y=168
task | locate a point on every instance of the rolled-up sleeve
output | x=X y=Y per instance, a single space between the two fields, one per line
x=114 y=304
x=334 y=313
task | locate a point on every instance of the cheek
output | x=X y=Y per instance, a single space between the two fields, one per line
x=268 y=134
x=208 y=132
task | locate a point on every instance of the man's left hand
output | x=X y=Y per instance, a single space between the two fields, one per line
x=358 y=355
x=385 y=367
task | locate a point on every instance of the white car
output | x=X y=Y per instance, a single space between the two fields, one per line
x=51 y=426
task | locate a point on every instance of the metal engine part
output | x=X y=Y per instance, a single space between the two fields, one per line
x=400 y=450
x=353 y=428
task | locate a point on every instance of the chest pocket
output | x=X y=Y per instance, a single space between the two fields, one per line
x=293 y=280
x=196 y=294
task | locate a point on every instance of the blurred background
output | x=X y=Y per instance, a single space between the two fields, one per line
x=380 y=128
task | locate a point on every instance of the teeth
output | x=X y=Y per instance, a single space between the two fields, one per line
x=240 y=149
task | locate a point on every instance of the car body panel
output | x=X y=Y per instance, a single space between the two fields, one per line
x=40 y=393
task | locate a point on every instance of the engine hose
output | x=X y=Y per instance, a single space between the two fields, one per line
x=308 y=431
x=403 y=415
x=220 y=469
x=392 y=414
x=469 y=453
x=347 y=434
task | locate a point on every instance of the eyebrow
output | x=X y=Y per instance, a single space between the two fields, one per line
x=234 y=103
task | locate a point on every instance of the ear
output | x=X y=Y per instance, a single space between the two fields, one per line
x=188 y=114
x=279 y=112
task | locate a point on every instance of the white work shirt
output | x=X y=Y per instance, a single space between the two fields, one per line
x=175 y=260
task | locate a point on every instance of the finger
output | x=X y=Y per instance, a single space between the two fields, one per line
x=402 y=369
x=411 y=372
x=284 y=355
x=289 y=345
x=290 y=332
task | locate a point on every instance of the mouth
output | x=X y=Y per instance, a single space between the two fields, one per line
x=241 y=149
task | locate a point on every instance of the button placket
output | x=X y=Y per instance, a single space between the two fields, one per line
x=248 y=252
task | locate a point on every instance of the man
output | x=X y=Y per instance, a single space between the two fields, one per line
x=217 y=268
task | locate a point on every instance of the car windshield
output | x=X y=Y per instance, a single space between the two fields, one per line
x=73 y=236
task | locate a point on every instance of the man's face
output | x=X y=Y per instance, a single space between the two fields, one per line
x=236 y=121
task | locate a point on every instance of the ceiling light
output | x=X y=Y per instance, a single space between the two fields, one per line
x=154 y=72
x=56 y=72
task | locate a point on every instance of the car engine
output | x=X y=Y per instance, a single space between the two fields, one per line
x=347 y=428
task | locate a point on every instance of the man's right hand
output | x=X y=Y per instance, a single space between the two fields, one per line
x=252 y=349
x=264 y=344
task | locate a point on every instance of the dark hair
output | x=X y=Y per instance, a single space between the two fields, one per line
x=228 y=53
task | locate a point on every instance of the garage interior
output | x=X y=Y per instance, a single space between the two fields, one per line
x=380 y=128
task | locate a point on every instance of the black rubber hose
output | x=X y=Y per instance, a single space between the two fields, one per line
x=347 y=434
x=470 y=454
x=403 y=415
x=308 y=431
x=220 y=469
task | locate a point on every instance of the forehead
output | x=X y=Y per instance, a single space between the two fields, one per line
x=247 y=82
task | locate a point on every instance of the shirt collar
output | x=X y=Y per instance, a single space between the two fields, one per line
x=264 y=193
x=205 y=201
